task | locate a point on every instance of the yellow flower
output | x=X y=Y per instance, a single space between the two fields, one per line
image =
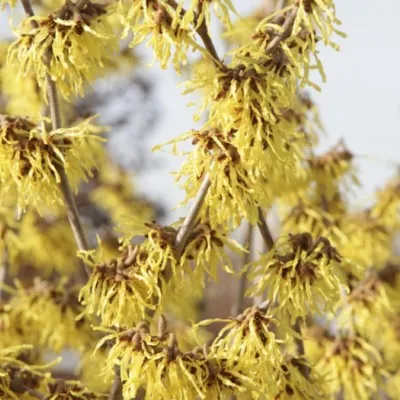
x=158 y=364
x=45 y=315
x=392 y=386
x=48 y=244
x=70 y=390
x=387 y=205
x=366 y=302
x=332 y=169
x=285 y=42
x=169 y=37
x=242 y=180
x=369 y=241
x=313 y=219
x=30 y=158
x=353 y=365
x=122 y=289
x=89 y=370
x=14 y=371
x=319 y=18
x=247 y=341
x=304 y=275
x=292 y=383
x=199 y=12
x=69 y=45
x=207 y=248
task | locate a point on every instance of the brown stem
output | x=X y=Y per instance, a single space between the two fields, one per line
x=26 y=4
x=280 y=4
x=18 y=386
x=184 y=230
x=304 y=369
x=116 y=389
x=35 y=393
x=208 y=43
x=286 y=31
x=5 y=267
x=239 y=301
x=202 y=31
x=55 y=114
x=264 y=230
x=81 y=3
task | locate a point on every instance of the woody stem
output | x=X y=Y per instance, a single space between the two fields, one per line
x=65 y=187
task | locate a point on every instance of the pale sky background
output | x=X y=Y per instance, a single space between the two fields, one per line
x=360 y=102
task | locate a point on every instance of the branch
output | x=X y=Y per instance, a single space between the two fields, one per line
x=202 y=31
x=26 y=4
x=239 y=301
x=304 y=369
x=54 y=107
x=208 y=43
x=286 y=31
x=18 y=386
x=280 y=4
x=264 y=230
x=116 y=389
x=185 y=229
x=5 y=267
x=81 y=3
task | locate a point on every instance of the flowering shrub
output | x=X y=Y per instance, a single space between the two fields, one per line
x=324 y=305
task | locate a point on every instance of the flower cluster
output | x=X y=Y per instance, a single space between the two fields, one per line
x=353 y=365
x=32 y=160
x=68 y=46
x=304 y=275
x=157 y=363
x=44 y=315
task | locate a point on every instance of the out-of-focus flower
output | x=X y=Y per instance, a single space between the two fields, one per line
x=353 y=365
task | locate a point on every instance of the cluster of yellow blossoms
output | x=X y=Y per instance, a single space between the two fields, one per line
x=326 y=311
x=31 y=158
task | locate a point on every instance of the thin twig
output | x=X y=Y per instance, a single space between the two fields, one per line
x=202 y=31
x=304 y=369
x=81 y=3
x=264 y=230
x=286 y=31
x=208 y=43
x=36 y=393
x=26 y=4
x=185 y=228
x=116 y=389
x=55 y=114
x=239 y=301
x=18 y=386
x=280 y=4
x=5 y=267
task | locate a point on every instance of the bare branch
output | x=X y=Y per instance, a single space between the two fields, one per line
x=264 y=230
